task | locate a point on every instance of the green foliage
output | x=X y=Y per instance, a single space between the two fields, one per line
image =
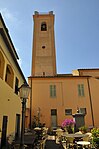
x=35 y=122
x=95 y=132
x=95 y=135
x=83 y=129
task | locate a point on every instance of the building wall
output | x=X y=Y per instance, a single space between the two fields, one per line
x=66 y=98
x=94 y=87
x=68 y=87
x=10 y=103
x=90 y=72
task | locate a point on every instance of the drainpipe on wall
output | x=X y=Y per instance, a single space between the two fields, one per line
x=30 y=124
x=62 y=94
x=91 y=106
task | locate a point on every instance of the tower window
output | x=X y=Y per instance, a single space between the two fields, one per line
x=43 y=26
x=43 y=73
x=43 y=47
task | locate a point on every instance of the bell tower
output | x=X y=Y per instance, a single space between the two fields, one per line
x=43 y=52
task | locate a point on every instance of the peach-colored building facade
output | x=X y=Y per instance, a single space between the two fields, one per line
x=57 y=96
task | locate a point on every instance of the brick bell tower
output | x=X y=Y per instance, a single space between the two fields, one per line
x=43 y=52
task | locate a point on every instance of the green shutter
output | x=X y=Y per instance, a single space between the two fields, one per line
x=52 y=91
x=79 y=91
x=82 y=89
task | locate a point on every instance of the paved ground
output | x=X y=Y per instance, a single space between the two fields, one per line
x=51 y=144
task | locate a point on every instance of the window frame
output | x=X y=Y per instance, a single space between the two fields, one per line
x=53 y=91
x=9 y=76
x=68 y=113
x=53 y=112
x=43 y=28
x=2 y=64
x=83 y=109
x=16 y=85
x=81 y=92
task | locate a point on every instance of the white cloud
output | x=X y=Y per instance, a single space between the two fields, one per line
x=11 y=19
x=7 y=14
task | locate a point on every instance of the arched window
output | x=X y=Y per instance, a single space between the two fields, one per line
x=9 y=76
x=2 y=62
x=43 y=26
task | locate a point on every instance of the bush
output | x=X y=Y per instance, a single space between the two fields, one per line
x=95 y=135
x=83 y=129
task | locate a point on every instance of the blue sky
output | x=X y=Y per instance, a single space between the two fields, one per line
x=76 y=31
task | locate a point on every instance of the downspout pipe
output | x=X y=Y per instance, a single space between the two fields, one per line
x=91 y=106
x=30 y=123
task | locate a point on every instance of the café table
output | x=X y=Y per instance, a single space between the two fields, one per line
x=37 y=129
x=83 y=143
x=75 y=137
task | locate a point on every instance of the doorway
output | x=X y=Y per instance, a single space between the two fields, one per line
x=53 y=117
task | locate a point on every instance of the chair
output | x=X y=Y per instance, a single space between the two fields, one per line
x=83 y=144
x=88 y=138
x=64 y=142
x=59 y=132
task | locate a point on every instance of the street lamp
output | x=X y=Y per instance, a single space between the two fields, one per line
x=24 y=91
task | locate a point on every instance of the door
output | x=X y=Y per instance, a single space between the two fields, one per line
x=53 y=117
x=17 y=127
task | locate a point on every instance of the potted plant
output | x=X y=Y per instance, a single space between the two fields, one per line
x=68 y=124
